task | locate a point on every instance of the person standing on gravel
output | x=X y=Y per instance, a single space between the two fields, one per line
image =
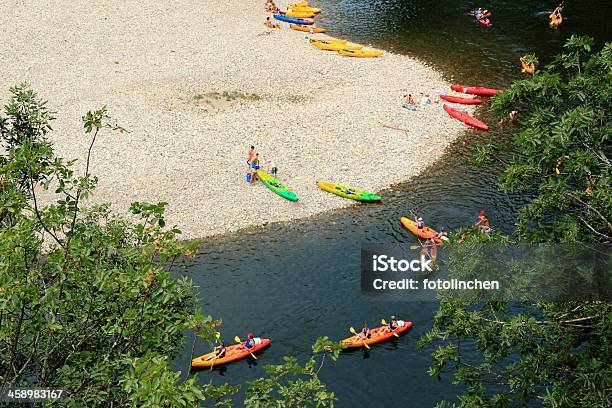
x=250 y=155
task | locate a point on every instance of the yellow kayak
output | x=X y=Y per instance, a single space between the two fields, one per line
x=359 y=53
x=298 y=14
x=334 y=46
x=306 y=9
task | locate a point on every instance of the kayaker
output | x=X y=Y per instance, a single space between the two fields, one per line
x=365 y=333
x=250 y=155
x=441 y=234
x=408 y=100
x=254 y=166
x=250 y=341
x=510 y=118
x=392 y=325
x=273 y=168
x=482 y=223
x=270 y=24
x=420 y=223
x=478 y=14
x=219 y=352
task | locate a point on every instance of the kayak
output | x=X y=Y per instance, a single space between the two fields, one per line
x=459 y=99
x=528 y=68
x=232 y=353
x=361 y=53
x=378 y=335
x=307 y=29
x=411 y=107
x=277 y=186
x=347 y=192
x=333 y=41
x=554 y=22
x=305 y=9
x=334 y=46
x=298 y=14
x=300 y=21
x=465 y=118
x=485 y=22
x=425 y=232
x=475 y=90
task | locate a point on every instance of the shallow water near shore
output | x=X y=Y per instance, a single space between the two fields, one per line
x=293 y=282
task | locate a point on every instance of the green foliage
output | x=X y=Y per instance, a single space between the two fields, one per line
x=294 y=385
x=82 y=291
x=87 y=301
x=562 y=154
x=551 y=354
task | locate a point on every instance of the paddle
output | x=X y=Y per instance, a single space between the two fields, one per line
x=237 y=340
x=413 y=214
x=385 y=323
x=352 y=330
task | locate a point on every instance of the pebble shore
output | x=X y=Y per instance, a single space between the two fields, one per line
x=166 y=71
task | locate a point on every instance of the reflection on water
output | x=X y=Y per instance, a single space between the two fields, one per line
x=294 y=282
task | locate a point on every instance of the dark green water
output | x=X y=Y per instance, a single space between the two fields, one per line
x=295 y=282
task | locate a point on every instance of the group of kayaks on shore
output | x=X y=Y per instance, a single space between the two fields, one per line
x=409 y=103
x=223 y=354
x=300 y=18
x=270 y=181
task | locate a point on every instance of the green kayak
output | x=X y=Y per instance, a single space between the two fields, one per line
x=347 y=192
x=277 y=186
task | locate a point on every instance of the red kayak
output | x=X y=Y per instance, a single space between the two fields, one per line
x=465 y=118
x=459 y=99
x=475 y=90
x=485 y=22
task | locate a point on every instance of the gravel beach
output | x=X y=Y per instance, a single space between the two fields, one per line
x=196 y=83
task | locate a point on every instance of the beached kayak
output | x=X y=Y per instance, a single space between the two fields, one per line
x=347 y=192
x=307 y=29
x=305 y=9
x=378 y=335
x=361 y=53
x=425 y=232
x=277 y=186
x=334 y=46
x=232 y=353
x=475 y=90
x=299 y=14
x=299 y=21
x=465 y=118
x=462 y=100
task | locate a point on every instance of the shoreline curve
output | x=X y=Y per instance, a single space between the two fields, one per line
x=197 y=84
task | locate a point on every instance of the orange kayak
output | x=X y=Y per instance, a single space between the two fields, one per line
x=378 y=335
x=424 y=232
x=306 y=29
x=528 y=68
x=232 y=353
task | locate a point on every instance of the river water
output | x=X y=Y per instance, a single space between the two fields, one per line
x=296 y=281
